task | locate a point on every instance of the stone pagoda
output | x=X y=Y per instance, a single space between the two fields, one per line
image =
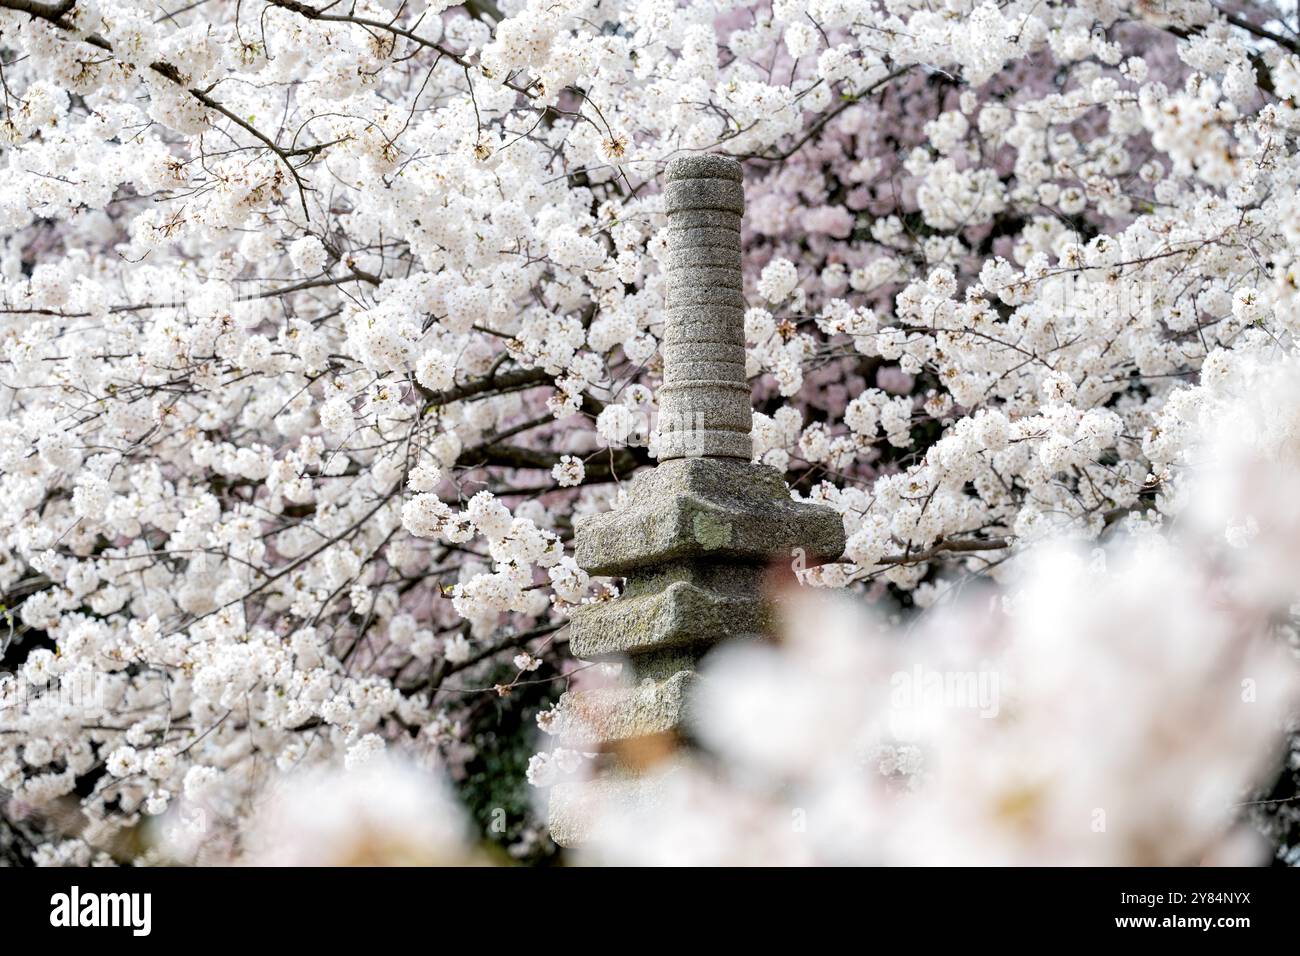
x=698 y=531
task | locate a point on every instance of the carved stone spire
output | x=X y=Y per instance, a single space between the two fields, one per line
x=704 y=409
x=698 y=530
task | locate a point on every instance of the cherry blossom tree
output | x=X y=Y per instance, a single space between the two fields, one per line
x=321 y=322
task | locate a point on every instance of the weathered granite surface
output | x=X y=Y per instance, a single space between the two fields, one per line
x=594 y=718
x=706 y=508
x=576 y=808
x=698 y=531
x=680 y=615
x=704 y=409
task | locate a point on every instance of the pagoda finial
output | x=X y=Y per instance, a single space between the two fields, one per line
x=704 y=409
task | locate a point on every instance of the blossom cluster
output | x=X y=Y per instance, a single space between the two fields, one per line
x=320 y=327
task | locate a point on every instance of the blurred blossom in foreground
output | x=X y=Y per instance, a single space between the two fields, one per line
x=1112 y=707
x=1244 y=488
x=385 y=813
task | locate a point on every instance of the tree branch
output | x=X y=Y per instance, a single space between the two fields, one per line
x=55 y=12
x=958 y=545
